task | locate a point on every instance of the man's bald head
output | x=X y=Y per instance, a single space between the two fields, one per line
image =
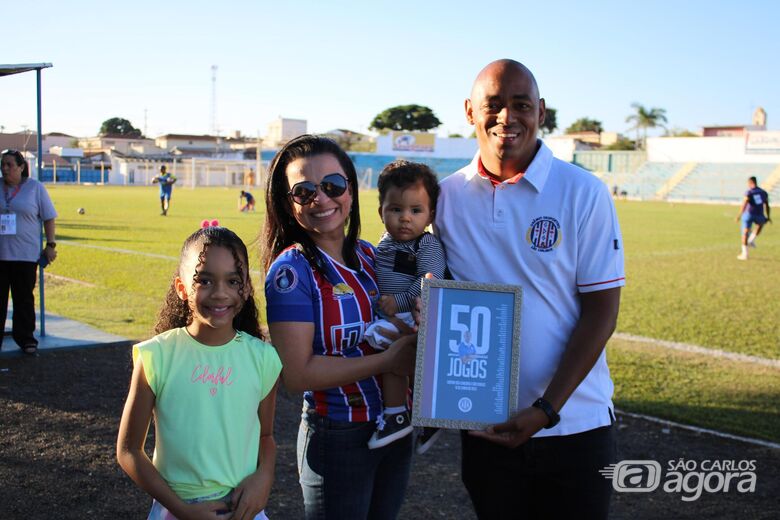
x=500 y=68
x=506 y=112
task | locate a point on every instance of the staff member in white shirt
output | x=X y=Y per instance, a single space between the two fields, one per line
x=519 y=216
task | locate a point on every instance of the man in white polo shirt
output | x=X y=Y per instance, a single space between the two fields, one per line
x=517 y=215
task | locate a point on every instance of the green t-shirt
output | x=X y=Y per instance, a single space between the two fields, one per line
x=206 y=408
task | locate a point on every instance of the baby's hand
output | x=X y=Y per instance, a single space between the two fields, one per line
x=387 y=305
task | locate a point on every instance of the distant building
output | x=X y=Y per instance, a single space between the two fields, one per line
x=759 y=117
x=350 y=140
x=66 y=153
x=595 y=138
x=759 y=125
x=53 y=139
x=204 y=145
x=282 y=129
x=188 y=143
x=22 y=141
x=729 y=131
x=119 y=143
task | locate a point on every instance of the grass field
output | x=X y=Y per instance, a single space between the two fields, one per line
x=684 y=284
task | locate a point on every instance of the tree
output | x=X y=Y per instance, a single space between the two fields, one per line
x=406 y=117
x=585 y=124
x=550 y=121
x=622 y=143
x=455 y=136
x=680 y=132
x=119 y=126
x=644 y=119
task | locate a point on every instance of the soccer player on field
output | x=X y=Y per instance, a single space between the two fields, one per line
x=752 y=211
x=166 y=181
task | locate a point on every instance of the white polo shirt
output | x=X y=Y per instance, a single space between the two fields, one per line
x=554 y=233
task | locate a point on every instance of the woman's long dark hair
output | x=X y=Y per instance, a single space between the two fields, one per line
x=176 y=312
x=19 y=160
x=281 y=230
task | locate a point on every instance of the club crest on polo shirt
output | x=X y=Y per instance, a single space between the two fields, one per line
x=544 y=234
x=342 y=290
x=285 y=279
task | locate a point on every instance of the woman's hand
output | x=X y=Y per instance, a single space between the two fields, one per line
x=50 y=252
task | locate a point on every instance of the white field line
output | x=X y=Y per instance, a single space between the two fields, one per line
x=118 y=250
x=715 y=433
x=686 y=251
x=132 y=252
x=69 y=280
x=696 y=349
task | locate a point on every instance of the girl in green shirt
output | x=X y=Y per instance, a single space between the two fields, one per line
x=210 y=382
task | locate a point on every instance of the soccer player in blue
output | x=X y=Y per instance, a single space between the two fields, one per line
x=752 y=211
x=166 y=181
x=321 y=292
x=250 y=201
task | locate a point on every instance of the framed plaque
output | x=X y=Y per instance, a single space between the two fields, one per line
x=468 y=354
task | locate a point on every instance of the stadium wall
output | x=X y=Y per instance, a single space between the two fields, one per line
x=705 y=149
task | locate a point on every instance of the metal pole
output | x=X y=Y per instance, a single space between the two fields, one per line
x=258 y=161
x=41 y=298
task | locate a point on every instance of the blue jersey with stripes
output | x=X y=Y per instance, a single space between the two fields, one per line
x=339 y=302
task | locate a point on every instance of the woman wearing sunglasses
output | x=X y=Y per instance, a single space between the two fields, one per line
x=320 y=289
x=25 y=203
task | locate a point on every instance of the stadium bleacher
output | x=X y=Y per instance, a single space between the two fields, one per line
x=720 y=181
x=643 y=184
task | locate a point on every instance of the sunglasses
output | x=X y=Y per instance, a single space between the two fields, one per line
x=333 y=185
x=15 y=153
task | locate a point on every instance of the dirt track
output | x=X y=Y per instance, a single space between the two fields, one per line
x=59 y=415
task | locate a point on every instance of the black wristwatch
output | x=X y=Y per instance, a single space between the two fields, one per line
x=549 y=411
x=52 y=245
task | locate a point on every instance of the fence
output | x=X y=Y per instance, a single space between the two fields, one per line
x=74 y=173
x=191 y=172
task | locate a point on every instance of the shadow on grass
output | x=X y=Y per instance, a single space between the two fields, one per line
x=92 y=226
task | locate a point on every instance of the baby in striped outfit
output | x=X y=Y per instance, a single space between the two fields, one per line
x=408 y=192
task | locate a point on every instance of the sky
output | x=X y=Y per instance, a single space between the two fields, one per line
x=337 y=64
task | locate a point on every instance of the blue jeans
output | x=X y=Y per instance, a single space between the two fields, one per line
x=342 y=479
